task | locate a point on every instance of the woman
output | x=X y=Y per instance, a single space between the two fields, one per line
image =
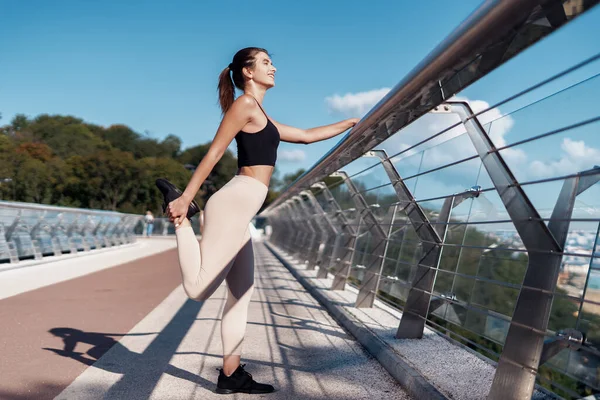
x=149 y=219
x=225 y=250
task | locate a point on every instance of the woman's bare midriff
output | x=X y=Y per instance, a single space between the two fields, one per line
x=260 y=172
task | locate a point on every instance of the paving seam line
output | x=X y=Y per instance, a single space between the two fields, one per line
x=409 y=378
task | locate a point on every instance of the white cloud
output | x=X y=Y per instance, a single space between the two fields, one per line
x=291 y=156
x=576 y=157
x=355 y=104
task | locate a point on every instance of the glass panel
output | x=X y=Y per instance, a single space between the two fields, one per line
x=453 y=149
x=463 y=288
x=428 y=125
x=373 y=177
x=469 y=261
x=572 y=275
x=39 y=231
x=400 y=222
x=449 y=258
x=360 y=164
x=495 y=297
x=563 y=314
x=389 y=265
x=560 y=361
x=507 y=72
x=581 y=237
x=407 y=165
x=342 y=195
x=399 y=291
x=590 y=313
x=438 y=307
x=456 y=314
x=533 y=120
x=585 y=366
x=579 y=151
x=432 y=209
x=447 y=181
x=443 y=282
x=503 y=266
x=476 y=236
x=460 y=212
x=382 y=196
x=403 y=271
x=488 y=207
x=487 y=325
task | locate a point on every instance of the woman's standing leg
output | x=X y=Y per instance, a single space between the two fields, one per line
x=240 y=286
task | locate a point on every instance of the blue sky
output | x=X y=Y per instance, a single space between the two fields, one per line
x=153 y=65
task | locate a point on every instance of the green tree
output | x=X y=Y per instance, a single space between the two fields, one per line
x=19 y=123
x=148 y=196
x=105 y=180
x=32 y=180
x=225 y=169
x=170 y=146
x=121 y=137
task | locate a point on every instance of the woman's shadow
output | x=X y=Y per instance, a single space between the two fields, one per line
x=121 y=360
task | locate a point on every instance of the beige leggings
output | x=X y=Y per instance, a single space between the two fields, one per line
x=224 y=253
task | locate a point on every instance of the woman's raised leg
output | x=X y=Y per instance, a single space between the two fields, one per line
x=227 y=214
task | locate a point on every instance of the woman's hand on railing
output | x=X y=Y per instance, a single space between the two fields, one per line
x=352 y=121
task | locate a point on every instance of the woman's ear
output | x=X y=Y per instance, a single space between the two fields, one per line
x=247 y=72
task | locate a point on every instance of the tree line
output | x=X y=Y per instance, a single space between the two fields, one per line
x=64 y=161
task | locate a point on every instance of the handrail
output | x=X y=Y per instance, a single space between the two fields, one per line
x=484 y=41
x=44 y=207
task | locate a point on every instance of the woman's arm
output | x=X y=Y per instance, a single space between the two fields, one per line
x=234 y=121
x=306 y=136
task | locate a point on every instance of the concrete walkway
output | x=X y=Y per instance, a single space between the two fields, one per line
x=171 y=350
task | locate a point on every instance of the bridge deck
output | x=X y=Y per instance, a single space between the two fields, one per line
x=137 y=336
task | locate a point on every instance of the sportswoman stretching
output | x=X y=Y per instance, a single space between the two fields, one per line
x=225 y=250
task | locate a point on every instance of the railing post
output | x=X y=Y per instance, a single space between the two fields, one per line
x=417 y=303
x=299 y=233
x=370 y=282
x=285 y=224
x=520 y=359
x=306 y=240
x=324 y=226
x=292 y=226
x=343 y=251
x=7 y=248
x=306 y=231
x=276 y=221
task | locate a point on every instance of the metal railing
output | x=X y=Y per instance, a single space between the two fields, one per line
x=34 y=231
x=485 y=227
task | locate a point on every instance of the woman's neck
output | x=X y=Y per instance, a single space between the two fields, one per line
x=257 y=93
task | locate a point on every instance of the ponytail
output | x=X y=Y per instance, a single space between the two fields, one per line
x=226 y=90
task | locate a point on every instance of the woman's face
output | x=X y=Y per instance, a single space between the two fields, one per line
x=264 y=71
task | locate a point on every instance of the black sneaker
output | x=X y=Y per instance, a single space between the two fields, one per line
x=240 y=382
x=170 y=193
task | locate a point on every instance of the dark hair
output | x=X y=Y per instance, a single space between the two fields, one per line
x=232 y=75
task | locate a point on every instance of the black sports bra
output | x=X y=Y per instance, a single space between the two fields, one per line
x=258 y=148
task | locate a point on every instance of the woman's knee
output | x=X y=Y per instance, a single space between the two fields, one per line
x=197 y=294
x=241 y=293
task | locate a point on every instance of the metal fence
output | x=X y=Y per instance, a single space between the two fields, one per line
x=34 y=231
x=483 y=222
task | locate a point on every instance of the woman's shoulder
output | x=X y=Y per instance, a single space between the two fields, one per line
x=246 y=101
x=244 y=106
